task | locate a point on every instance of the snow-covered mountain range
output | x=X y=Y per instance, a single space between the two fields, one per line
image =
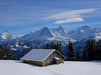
x=6 y=36
x=58 y=34
x=64 y=35
x=46 y=35
x=84 y=32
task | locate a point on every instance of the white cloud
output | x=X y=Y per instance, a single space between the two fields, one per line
x=69 y=20
x=69 y=16
x=73 y=13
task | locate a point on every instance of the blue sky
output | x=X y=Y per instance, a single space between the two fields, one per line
x=24 y=16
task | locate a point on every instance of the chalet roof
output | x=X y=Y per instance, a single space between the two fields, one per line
x=38 y=54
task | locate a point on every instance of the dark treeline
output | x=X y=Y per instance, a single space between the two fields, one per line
x=5 y=54
x=54 y=46
x=91 y=51
x=71 y=55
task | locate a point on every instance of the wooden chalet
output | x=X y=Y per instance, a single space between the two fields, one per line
x=43 y=57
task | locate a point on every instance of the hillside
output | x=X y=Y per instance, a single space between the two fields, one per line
x=10 y=67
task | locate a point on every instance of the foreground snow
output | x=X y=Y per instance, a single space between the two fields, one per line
x=10 y=67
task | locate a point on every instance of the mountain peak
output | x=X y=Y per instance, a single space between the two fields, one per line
x=5 y=33
x=60 y=27
x=85 y=27
x=45 y=31
x=45 y=28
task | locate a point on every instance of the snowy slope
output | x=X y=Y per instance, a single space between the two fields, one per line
x=19 y=46
x=82 y=32
x=10 y=67
x=60 y=31
x=98 y=36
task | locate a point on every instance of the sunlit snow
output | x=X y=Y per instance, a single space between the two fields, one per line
x=10 y=67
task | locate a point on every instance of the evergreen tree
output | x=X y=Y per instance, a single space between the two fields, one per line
x=91 y=47
x=53 y=46
x=92 y=50
x=98 y=50
x=84 y=56
x=78 y=58
x=58 y=47
x=47 y=46
x=1 y=52
x=6 y=53
x=71 y=52
x=12 y=56
x=89 y=50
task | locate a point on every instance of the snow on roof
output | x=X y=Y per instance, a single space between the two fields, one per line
x=38 y=54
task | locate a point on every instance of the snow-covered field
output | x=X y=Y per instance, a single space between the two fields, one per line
x=10 y=67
